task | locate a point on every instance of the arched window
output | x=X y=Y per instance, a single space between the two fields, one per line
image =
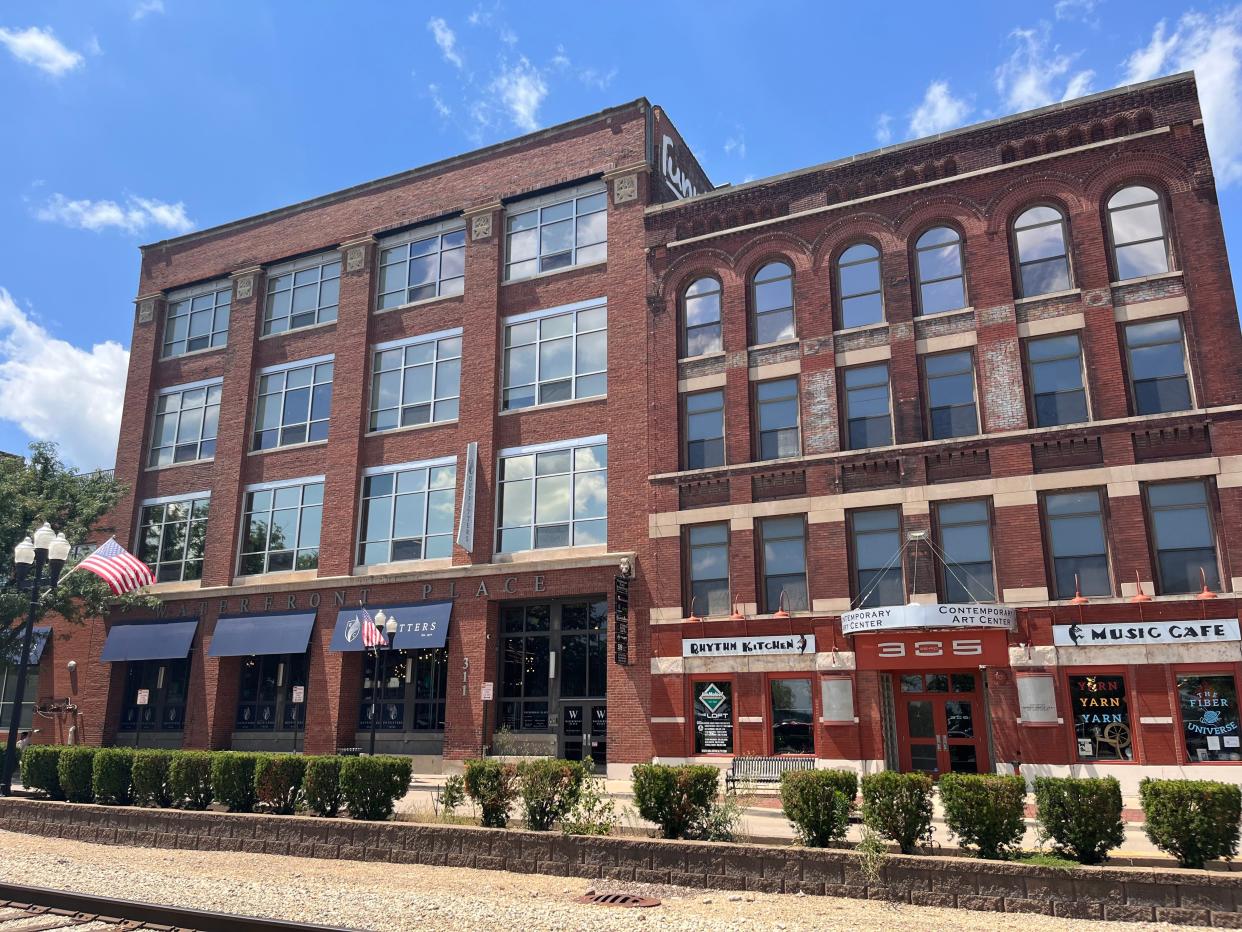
x=1136 y=225
x=701 y=312
x=1043 y=260
x=772 y=300
x=860 y=298
x=942 y=278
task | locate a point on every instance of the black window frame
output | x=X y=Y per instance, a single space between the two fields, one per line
x=856 y=586
x=689 y=546
x=162 y=701
x=1045 y=521
x=683 y=298
x=848 y=421
x=838 y=287
x=946 y=579
x=1020 y=264
x=930 y=408
x=1211 y=568
x=1133 y=382
x=1165 y=235
x=686 y=414
x=753 y=284
x=920 y=283
x=768 y=605
x=1029 y=365
x=758 y=406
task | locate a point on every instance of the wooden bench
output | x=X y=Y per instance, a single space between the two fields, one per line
x=764 y=769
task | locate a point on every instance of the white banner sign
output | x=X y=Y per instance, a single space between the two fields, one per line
x=1146 y=632
x=897 y=617
x=744 y=647
x=465 y=526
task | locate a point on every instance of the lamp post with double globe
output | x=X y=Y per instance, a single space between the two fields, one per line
x=47 y=550
x=387 y=624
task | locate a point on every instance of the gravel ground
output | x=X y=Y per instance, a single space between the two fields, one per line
x=393 y=897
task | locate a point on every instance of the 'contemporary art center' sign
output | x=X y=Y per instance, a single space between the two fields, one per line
x=899 y=617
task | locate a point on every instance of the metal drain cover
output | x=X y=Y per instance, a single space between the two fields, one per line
x=618 y=899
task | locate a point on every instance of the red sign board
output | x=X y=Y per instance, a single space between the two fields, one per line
x=931 y=650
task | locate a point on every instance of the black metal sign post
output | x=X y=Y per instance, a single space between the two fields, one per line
x=621 y=620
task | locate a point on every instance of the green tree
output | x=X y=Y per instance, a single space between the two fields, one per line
x=41 y=488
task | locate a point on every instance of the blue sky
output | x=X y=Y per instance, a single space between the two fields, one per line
x=127 y=121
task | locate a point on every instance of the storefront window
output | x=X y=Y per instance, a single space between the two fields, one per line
x=155 y=695
x=1101 y=717
x=1209 y=706
x=265 y=693
x=8 y=692
x=793 y=729
x=411 y=690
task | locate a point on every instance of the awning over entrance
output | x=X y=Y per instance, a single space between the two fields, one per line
x=163 y=640
x=38 y=641
x=256 y=635
x=420 y=625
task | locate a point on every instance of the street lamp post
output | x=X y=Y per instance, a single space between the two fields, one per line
x=389 y=626
x=47 y=550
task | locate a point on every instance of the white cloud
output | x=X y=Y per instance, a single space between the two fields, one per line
x=1211 y=46
x=520 y=89
x=80 y=410
x=446 y=39
x=735 y=145
x=939 y=111
x=146 y=8
x=1075 y=9
x=136 y=215
x=884 y=129
x=1032 y=75
x=40 y=48
x=437 y=100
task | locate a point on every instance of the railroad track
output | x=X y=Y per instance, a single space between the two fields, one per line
x=41 y=909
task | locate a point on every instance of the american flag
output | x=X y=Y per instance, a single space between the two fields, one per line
x=120 y=569
x=372 y=636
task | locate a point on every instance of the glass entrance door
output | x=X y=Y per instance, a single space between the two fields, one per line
x=940 y=722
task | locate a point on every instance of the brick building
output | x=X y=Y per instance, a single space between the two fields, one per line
x=975 y=505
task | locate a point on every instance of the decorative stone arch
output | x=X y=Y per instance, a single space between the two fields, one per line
x=953 y=208
x=844 y=232
x=1154 y=169
x=771 y=246
x=699 y=263
x=1059 y=188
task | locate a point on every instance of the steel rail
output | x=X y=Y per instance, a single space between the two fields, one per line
x=19 y=896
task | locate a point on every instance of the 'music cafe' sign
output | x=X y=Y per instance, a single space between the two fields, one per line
x=1146 y=632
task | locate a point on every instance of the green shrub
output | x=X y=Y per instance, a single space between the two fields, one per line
x=549 y=788
x=1196 y=821
x=39 y=762
x=493 y=786
x=321 y=785
x=111 y=776
x=1081 y=816
x=816 y=804
x=371 y=786
x=150 y=779
x=75 y=771
x=594 y=813
x=675 y=798
x=278 y=781
x=232 y=779
x=189 y=779
x=898 y=806
x=984 y=811
x=450 y=796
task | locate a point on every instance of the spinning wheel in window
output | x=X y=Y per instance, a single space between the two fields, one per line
x=1117 y=736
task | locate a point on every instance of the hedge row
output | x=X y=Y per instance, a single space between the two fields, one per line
x=368 y=787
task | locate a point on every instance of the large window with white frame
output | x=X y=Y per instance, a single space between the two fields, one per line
x=416 y=380
x=553 y=495
x=559 y=354
x=280 y=526
x=941 y=271
x=171 y=536
x=186 y=417
x=295 y=400
x=197 y=318
x=556 y=231
x=860 y=291
x=1139 y=239
x=407 y=512
x=302 y=293
x=429 y=262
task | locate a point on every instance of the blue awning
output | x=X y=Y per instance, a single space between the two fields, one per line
x=419 y=625
x=160 y=640
x=255 y=635
x=38 y=641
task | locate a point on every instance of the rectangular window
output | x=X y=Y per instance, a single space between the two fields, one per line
x=553 y=495
x=1181 y=527
x=868 y=411
x=1057 y=390
x=8 y=693
x=186 y=417
x=951 y=409
x=426 y=263
x=407 y=512
x=1209 y=708
x=526 y=665
x=793 y=717
x=557 y=231
x=1075 y=527
x=197 y=319
x=1101 y=717
x=875 y=548
x=295 y=401
x=966 y=547
x=302 y=294
x=411 y=690
x=704 y=429
x=556 y=355
x=162 y=683
x=1157 y=356
x=584 y=650
x=280 y=527
x=172 y=534
x=416 y=381
x=783 y=553
x=707 y=562
x=265 y=693
x=776 y=416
